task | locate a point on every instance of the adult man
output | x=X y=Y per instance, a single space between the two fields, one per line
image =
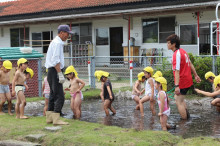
x=182 y=68
x=55 y=64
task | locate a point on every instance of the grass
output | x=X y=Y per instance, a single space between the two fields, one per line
x=84 y=133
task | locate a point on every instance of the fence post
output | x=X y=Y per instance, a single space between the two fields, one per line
x=39 y=78
x=71 y=53
x=145 y=61
x=213 y=65
x=89 y=71
x=92 y=71
x=131 y=70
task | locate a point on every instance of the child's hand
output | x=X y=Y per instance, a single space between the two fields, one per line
x=111 y=97
x=13 y=93
x=43 y=95
x=197 y=90
x=151 y=98
x=67 y=89
x=64 y=93
x=160 y=114
x=78 y=91
x=26 y=87
x=139 y=93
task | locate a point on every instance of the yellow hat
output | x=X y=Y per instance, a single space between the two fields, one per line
x=21 y=61
x=7 y=64
x=157 y=74
x=96 y=73
x=163 y=81
x=149 y=69
x=217 y=81
x=30 y=71
x=209 y=74
x=46 y=70
x=100 y=73
x=71 y=69
x=140 y=76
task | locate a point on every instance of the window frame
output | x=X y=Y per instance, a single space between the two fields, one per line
x=196 y=34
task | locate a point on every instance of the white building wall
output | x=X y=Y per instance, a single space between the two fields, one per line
x=5 y=37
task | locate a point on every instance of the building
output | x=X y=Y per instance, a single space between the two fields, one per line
x=105 y=24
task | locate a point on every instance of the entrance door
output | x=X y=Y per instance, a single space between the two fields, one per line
x=46 y=40
x=116 y=40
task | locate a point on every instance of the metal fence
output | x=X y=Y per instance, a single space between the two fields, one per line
x=121 y=75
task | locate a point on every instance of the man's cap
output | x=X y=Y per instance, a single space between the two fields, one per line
x=64 y=28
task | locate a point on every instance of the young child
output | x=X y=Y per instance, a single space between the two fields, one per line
x=210 y=76
x=216 y=93
x=136 y=92
x=76 y=86
x=4 y=87
x=149 y=91
x=157 y=74
x=107 y=92
x=162 y=99
x=29 y=73
x=46 y=94
x=18 y=85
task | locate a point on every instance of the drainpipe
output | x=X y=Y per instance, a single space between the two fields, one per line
x=24 y=35
x=217 y=38
x=129 y=49
x=198 y=30
x=71 y=45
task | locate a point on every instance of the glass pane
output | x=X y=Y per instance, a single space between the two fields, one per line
x=102 y=36
x=150 y=31
x=14 y=34
x=166 y=24
x=22 y=36
x=36 y=36
x=86 y=39
x=188 y=34
x=85 y=29
x=75 y=36
x=163 y=36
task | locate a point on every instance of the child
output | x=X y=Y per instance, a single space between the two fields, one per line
x=210 y=76
x=157 y=74
x=29 y=73
x=4 y=87
x=107 y=92
x=162 y=99
x=76 y=86
x=136 y=92
x=149 y=91
x=18 y=85
x=216 y=93
x=102 y=85
x=46 y=93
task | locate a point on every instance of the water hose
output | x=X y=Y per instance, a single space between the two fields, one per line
x=171 y=93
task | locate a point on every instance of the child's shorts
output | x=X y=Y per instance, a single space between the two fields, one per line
x=47 y=95
x=167 y=112
x=149 y=94
x=19 y=88
x=4 y=89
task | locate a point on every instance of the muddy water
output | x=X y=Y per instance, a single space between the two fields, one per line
x=203 y=121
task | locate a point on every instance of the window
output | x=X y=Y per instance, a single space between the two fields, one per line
x=158 y=29
x=36 y=40
x=150 y=31
x=166 y=28
x=188 y=34
x=102 y=36
x=17 y=37
x=82 y=33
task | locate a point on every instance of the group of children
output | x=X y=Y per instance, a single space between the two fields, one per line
x=22 y=74
x=155 y=90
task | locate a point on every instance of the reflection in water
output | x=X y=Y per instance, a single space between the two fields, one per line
x=202 y=123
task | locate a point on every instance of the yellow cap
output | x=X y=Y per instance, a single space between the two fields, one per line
x=217 y=81
x=96 y=73
x=46 y=70
x=140 y=76
x=7 y=64
x=30 y=71
x=21 y=61
x=209 y=74
x=157 y=74
x=149 y=69
x=163 y=81
x=71 y=69
x=100 y=73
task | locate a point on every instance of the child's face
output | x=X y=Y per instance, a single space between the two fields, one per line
x=5 y=70
x=143 y=80
x=69 y=76
x=28 y=76
x=147 y=74
x=210 y=80
x=24 y=66
x=157 y=85
x=103 y=79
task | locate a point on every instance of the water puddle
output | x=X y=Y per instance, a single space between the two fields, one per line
x=202 y=122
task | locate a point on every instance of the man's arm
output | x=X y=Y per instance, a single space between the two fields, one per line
x=57 y=67
x=197 y=78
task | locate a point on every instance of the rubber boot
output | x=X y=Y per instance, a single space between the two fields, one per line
x=56 y=119
x=49 y=117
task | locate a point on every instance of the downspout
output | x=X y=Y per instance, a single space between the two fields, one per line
x=217 y=38
x=198 y=30
x=24 y=35
x=71 y=45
